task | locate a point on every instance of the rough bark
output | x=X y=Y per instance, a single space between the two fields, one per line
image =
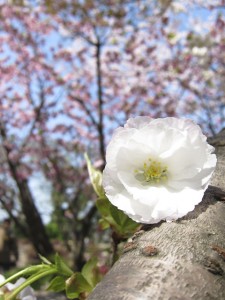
x=179 y=260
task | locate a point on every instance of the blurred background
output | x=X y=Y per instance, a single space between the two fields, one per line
x=73 y=71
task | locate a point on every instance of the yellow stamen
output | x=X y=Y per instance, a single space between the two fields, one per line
x=152 y=171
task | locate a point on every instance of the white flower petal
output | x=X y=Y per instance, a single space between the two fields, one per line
x=157 y=169
x=116 y=193
x=138 y=122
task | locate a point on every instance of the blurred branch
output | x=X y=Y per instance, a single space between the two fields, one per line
x=18 y=224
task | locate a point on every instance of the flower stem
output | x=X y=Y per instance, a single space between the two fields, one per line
x=116 y=240
x=21 y=273
x=29 y=281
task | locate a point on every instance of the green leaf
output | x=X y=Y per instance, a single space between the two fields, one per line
x=125 y=225
x=44 y=260
x=62 y=267
x=117 y=219
x=171 y=35
x=103 y=206
x=57 y=284
x=103 y=224
x=75 y=285
x=90 y=272
x=95 y=177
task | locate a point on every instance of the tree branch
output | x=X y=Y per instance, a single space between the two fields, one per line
x=178 y=260
x=86 y=109
x=100 y=100
x=37 y=110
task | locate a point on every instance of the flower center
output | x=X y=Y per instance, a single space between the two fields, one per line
x=152 y=171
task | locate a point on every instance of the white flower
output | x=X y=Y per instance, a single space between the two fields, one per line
x=178 y=7
x=199 y=51
x=157 y=169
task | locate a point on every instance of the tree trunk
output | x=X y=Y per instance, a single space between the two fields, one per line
x=36 y=229
x=79 y=254
x=178 y=260
x=35 y=226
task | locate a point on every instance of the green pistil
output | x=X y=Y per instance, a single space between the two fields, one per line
x=152 y=172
